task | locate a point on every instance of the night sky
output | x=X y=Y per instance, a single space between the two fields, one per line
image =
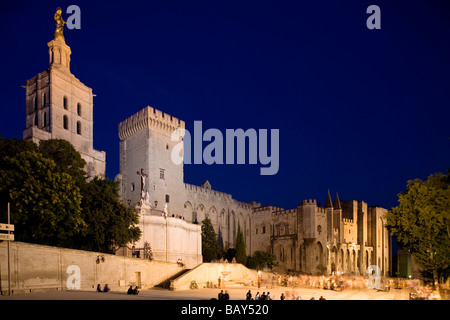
x=359 y=111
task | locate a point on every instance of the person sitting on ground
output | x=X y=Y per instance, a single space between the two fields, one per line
x=220 y=295
x=99 y=289
x=106 y=288
x=226 y=296
x=133 y=291
x=257 y=296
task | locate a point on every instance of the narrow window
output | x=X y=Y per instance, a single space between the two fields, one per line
x=78 y=127
x=66 y=122
x=167 y=198
x=161 y=174
x=65 y=102
x=36 y=121
x=44 y=99
x=45 y=119
x=35 y=103
x=79 y=109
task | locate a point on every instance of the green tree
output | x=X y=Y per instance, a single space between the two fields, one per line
x=420 y=223
x=261 y=260
x=45 y=203
x=66 y=158
x=241 y=255
x=53 y=204
x=210 y=247
x=109 y=222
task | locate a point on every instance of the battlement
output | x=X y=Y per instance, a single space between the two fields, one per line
x=310 y=201
x=345 y=220
x=149 y=118
x=285 y=212
x=268 y=209
x=199 y=189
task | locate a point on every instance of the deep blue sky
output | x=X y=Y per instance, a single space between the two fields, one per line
x=359 y=111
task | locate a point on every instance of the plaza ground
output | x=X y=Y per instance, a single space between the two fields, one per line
x=207 y=294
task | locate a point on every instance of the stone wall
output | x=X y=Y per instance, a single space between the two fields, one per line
x=231 y=274
x=171 y=239
x=37 y=268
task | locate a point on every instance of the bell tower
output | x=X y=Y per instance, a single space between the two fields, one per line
x=59 y=106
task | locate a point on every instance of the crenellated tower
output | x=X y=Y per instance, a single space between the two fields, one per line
x=146 y=144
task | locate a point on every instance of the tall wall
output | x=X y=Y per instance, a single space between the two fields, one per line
x=225 y=212
x=37 y=267
x=171 y=238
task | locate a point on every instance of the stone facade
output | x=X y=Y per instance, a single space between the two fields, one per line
x=37 y=267
x=344 y=236
x=59 y=106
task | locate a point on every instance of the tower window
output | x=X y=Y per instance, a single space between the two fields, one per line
x=161 y=174
x=65 y=104
x=44 y=99
x=35 y=103
x=79 y=109
x=167 y=198
x=36 y=120
x=45 y=119
x=78 y=127
x=66 y=122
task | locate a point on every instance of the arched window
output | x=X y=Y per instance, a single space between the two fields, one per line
x=79 y=109
x=65 y=104
x=78 y=127
x=66 y=122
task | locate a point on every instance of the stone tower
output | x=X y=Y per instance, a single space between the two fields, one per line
x=59 y=106
x=145 y=143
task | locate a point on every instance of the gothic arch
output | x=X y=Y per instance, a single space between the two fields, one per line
x=213 y=216
x=189 y=212
x=201 y=212
x=319 y=253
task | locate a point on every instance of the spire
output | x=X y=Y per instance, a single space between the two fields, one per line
x=58 y=50
x=328 y=203
x=337 y=203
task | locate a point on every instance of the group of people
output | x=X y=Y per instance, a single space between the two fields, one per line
x=131 y=290
x=258 y=296
x=134 y=291
x=335 y=282
x=223 y=295
x=105 y=288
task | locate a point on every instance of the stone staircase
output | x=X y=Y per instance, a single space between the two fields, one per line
x=165 y=284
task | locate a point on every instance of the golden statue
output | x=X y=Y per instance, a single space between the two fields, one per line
x=59 y=22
